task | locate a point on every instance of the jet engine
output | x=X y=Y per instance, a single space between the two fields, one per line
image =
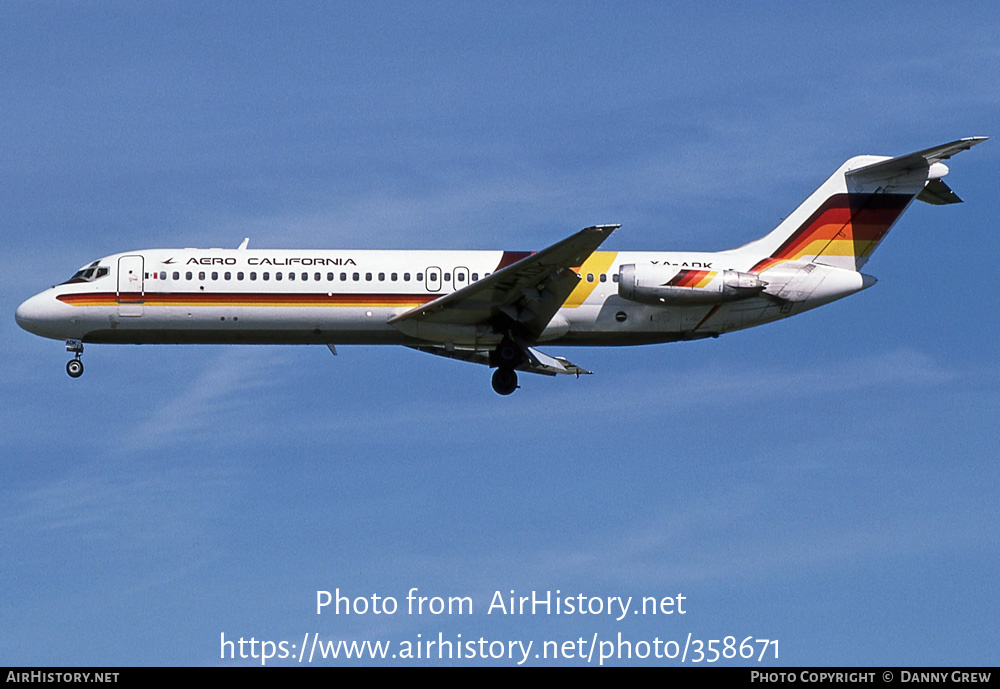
x=663 y=284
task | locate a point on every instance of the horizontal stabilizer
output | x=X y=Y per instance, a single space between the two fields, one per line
x=921 y=160
x=937 y=193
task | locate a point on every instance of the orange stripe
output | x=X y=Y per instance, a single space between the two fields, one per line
x=346 y=300
x=692 y=278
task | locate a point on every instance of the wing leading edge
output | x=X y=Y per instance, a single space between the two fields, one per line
x=521 y=298
x=517 y=302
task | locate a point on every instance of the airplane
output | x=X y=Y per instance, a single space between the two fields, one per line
x=496 y=307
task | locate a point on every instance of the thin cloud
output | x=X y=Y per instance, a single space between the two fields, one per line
x=119 y=486
x=712 y=386
x=727 y=539
x=202 y=405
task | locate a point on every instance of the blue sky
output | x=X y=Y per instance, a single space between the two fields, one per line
x=829 y=481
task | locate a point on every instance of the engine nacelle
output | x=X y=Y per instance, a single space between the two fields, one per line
x=661 y=284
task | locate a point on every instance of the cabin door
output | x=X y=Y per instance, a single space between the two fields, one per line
x=131 y=292
x=433 y=279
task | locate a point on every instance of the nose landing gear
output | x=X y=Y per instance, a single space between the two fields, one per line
x=75 y=366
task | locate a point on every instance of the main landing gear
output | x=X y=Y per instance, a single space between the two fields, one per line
x=504 y=381
x=505 y=357
x=75 y=366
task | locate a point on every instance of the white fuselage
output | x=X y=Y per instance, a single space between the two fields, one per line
x=204 y=296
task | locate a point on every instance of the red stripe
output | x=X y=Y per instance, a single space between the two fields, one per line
x=860 y=217
x=687 y=278
x=511 y=257
x=197 y=298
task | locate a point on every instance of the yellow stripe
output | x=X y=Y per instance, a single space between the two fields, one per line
x=707 y=279
x=597 y=264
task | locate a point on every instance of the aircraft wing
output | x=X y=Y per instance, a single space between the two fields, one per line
x=521 y=298
x=536 y=361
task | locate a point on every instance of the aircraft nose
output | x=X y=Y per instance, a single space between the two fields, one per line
x=31 y=314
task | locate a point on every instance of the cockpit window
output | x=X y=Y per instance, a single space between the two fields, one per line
x=88 y=274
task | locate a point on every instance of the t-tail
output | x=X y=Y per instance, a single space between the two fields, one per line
x=843 y=221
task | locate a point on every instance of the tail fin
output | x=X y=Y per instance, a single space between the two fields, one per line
x=843 y=221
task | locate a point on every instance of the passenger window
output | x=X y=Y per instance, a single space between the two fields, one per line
x=253 y=276
x=356 y=276
x=215 y=275
x=239 y=275
x=394 y=277
x=604 y=277
x=201 y=275
x=368 y=277
x=329 y=277
x=447 y=277
x=406 y=277
x=291 y=276
x=475 y=276
x=277 y=276
x=381 y=277
x=177 y=276
x=266 y=276
x=188 y=275
x=163 y=274
x=420 y=277
x=614 y=277
x=590 y=277
x=227 y=275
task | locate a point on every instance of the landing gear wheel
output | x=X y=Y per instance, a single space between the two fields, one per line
x=504 y=381
x=74 y=368
x=507 y=355
x=508 y=352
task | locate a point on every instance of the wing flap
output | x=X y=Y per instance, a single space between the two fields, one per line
x=535 y=362
x=540 y=362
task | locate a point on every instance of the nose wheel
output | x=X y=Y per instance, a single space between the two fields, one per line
x=75 y=366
